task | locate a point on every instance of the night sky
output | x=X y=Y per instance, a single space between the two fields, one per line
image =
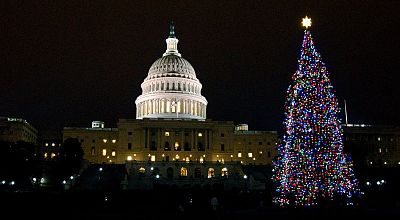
x=67 y=63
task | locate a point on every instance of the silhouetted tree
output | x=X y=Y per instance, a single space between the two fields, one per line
x=70 y=157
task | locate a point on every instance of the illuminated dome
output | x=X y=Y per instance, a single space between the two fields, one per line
x=171 y=89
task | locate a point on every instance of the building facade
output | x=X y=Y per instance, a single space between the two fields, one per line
x=171 y=136
x=373 y=146
x=165 y=140
x=17 y=129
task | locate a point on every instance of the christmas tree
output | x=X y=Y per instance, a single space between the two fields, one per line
x=311 y=166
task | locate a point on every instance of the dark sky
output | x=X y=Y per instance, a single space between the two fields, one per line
x=66 y=63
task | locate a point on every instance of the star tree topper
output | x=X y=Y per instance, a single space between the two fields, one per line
x=306 y=22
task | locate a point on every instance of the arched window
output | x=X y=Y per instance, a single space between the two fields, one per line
x=224 y=172
x=142 y=171
x=184 y=171
x=210 y=173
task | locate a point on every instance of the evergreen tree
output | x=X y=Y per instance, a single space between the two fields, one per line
x=311 y=166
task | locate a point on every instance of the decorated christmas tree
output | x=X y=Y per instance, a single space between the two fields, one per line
x=311 y=166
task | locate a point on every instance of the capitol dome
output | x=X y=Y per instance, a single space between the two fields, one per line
x=171 y=88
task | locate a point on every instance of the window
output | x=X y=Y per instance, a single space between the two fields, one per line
x=210 y=173
x=166 y=134
x=130 y=133
x=222 y=147
x=129 y=158
x=380 y=150
x=177 y=146
x=93 y=151
x=113 y=153
x=184 y=171
x=142 y=170
x=268 y=143
x=222 y=135
x=114 y=141
x=93 y=140
x=224 y=172
x=129 y=146
x=187 y=146
x=260 y=143
x=153 y=146
x=379 y=139
x=53 y=144
x=250 y=154
x=153 y=158
x=104 y=152
x=186 y=134
x=47 y=144
x=166 y=146
x=105 y=140
x=239 y=154
x=269 y=154
x=176 y=133
x=200 y=134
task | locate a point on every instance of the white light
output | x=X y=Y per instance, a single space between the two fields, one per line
x=157 y=176
x=64 y=182
x=3 y=182
x=71 y=177
x=200 y=134
x=306 y=22
x=100 y=169
x=385 y=162
x=382 y=181
x=114 y=141
x=42 y=180
x=12 y=183
x=105 y=198
x=245 y=176
x=53 y=144
x=151 y=168
x=34 y=179
x=129 y=158
x=105 y=140
x=378 y=183
x=368 y=183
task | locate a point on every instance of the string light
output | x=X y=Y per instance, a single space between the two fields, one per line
x=311 y=165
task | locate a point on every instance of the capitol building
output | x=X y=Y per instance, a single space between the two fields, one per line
x=171 y=137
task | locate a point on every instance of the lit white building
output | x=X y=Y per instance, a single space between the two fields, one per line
x=171 y=89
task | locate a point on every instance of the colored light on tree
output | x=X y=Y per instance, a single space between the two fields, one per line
x=311 y=165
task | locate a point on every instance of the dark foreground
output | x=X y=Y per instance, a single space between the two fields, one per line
x=172 y=204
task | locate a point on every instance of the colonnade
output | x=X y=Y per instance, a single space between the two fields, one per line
x=159 y=106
